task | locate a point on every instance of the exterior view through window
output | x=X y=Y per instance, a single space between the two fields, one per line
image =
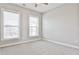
x=11 y=24
x=33 y=26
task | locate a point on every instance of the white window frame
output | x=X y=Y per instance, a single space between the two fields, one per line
x=2 y=27
x=38 y=25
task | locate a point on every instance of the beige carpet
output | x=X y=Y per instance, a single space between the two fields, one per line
x=38 y=48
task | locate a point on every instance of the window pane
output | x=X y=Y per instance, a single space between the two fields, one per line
x=33 y=31
x=33 y=21
x=10 y=18
x=33 y=26
x=11 y=25
x=11 y=32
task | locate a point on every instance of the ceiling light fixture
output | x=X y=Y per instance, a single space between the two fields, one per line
x=36 y=4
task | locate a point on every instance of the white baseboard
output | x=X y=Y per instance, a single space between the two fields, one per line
x=11 y=44
x=64 y=44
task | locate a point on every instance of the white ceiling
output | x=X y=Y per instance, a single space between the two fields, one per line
x=41 y=7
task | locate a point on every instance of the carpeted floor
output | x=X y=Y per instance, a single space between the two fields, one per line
x=38 y=48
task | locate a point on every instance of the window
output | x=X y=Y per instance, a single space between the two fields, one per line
x=33 y=26
x=11 y=24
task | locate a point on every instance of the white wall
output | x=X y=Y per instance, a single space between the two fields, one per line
x=62 y=24
x=24 y=21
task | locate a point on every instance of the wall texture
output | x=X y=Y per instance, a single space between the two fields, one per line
x=62 y=24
